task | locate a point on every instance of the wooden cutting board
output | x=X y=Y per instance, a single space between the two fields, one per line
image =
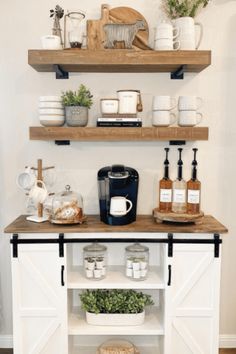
x=96 y=34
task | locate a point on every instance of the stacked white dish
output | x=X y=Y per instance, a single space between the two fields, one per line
x=51 y=111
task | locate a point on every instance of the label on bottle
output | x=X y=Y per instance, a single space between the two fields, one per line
x=179 y=196
x=165 y=195
x=193 y=196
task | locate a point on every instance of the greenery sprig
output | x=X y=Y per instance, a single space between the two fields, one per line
x=114 y=301
x=181 y=8
x=81 y=97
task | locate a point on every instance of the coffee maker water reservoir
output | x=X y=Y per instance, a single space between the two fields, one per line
x=118 y=191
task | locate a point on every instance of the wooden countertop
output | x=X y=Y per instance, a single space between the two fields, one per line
x=144 y=223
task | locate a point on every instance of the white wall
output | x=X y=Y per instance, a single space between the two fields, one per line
x=22 y=23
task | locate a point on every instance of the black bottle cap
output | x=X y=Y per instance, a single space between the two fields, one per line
x=194 y=164
x=166 y=164
x=180 y=165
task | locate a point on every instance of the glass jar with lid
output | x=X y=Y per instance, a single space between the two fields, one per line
x=67 y=207
x=136 y=261
x=95 y=261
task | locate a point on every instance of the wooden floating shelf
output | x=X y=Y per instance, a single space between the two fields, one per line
x=119 y=133
x=115 y=60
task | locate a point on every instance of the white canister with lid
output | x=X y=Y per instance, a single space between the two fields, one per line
x=128 y=101
x=109 y=105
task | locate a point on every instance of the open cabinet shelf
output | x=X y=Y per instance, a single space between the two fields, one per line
x=115 y=60
x=119 y=134
x=93 y=350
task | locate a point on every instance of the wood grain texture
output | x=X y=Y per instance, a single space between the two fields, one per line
x=144 y=223
x=221 y=351
x=118 y=133
x=119 y=60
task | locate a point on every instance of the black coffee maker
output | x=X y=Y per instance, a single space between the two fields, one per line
x=117 y=181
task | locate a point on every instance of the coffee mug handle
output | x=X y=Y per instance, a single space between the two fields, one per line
x=200 y=102
x=175 y=32
x=130 y=205
x=199 y=117
x=42 y=184
x=201 y=34
x=178 y=45
x=173 y=118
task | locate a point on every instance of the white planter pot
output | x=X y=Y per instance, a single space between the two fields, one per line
x=115 y=319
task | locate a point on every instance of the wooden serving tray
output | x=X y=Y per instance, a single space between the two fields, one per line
x=175 y=218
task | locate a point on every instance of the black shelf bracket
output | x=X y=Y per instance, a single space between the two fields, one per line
x=217 y=242
x=178 y=74
x=170 y=245
x=62 y=142
x=177 y=142
x=60 y=73
x=14 y=242
x=61 y=245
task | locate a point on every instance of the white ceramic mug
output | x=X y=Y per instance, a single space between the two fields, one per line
x=189 y=118
x=187 y=33
x=166 y=44
x=189 y=103
x=38 y=194
x=109 y=105
x=163 y=118
x=166 y=30
x=163 y=103
x=26 y=179
x=118 y=206
x=51 y=42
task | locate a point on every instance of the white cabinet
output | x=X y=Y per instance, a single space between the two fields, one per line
x=39 y=300
x=192 y=301
x=48 y=318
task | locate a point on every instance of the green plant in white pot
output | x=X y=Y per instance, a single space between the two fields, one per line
x=117 y=307
x=183 y=12
x=77 y=104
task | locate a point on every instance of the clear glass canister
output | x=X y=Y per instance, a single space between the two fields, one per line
x=95 y=261
x=137 y=261
x=67 y=207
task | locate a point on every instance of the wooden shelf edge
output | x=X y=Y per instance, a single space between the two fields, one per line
x=116 y=60
x=119 y=133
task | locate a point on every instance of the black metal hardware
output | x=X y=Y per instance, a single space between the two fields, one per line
x=170 y=245
x=62 y=275
x=62 y=142
x=60 y=73
x=15 y=245
x=177 y=142
x=217 y=242
x=178 y=74
x=169 y=275
x=61 y=245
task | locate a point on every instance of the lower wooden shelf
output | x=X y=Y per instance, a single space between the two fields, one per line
x=119 y=133
x=153 y=325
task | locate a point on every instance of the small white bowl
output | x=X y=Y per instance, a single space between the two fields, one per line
x=51 y=111
x=50 y=99
x=51 y=42
x=51 y=105
x=52 y=120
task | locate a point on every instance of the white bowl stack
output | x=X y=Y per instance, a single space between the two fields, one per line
x=51 y=111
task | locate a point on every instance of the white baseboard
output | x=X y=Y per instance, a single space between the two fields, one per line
x=6 y=341
x=228 y=341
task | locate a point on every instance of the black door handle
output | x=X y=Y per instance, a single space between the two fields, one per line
x=169 y=275
x=62 y=275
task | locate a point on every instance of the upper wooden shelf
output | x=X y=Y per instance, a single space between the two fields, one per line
x=115 y=60
x=119 y=133
x=144 y=224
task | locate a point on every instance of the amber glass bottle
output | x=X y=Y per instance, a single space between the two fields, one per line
x=179 y=189
x=193 y=189
x=165 y=188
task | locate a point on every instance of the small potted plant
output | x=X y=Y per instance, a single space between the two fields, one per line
x=183 y=13
x=77 y=104
x=115 y=306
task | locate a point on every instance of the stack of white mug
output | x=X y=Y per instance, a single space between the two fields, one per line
x=161 y=111
x=165 y=37
x=51 y=111
x=188 y=115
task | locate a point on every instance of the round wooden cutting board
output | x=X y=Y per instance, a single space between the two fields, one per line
x=128 y=15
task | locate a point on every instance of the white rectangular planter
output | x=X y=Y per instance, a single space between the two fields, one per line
x=115 y=319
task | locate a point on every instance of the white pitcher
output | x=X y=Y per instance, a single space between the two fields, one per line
x=187 y=33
